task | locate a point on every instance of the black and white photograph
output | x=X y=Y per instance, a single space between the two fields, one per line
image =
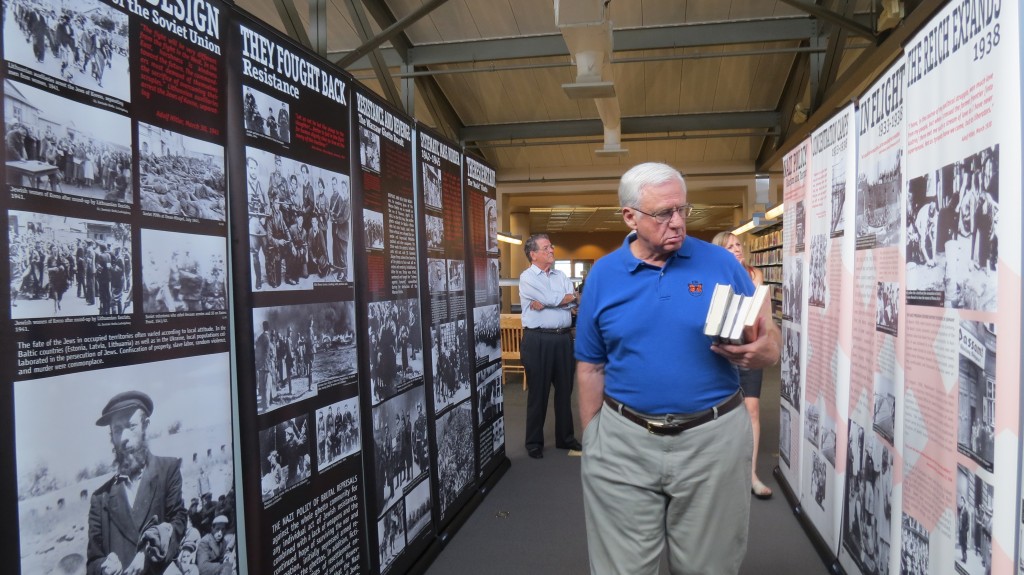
x=488 y=390
x=456 y=461
x=883 y=417
x=266 y=116
x=450 y=354
x=337 y=432
x=437 y=275
x=887 y=308
x=369 y=149
x=791 y=365
x=837 y=225
x=800 y=225
x=171 y=417
x=817 y=271
x=181 y=176
x=785 y=435
x=301 y=349
x=491 y=224
x=432 y=186
x=828 y=441
x=435 y=232
x=183 y=272
x=487 y=332
x=497 y=434
x=299 y=223
x=400 y=444
x=867 y=520
x=456 y=275
x=492 y=285
x=952 y=234
x=373 y=225
x=417 y=509
x=84 y=43
x=793 y=289
x=819 y=479
x=976 y=407
x=396 y=347
x=878 y=202
x=67 y=267
x=812 y=425
x=915 y=548
x=391 y=534
x=66 y=147
x=284 y=458
x=973 y=536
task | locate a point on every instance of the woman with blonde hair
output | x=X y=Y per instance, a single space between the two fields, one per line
x=750 y=379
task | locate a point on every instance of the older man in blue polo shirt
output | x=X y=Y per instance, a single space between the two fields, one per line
x=666 y=452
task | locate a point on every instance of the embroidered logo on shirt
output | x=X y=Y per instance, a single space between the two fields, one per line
x=696 y=288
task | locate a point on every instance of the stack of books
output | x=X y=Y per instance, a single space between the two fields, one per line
x=732 y=317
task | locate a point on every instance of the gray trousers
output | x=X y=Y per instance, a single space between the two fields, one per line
x=690 y=491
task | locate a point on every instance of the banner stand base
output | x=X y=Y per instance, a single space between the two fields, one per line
x=441 y=540
x=819 y=543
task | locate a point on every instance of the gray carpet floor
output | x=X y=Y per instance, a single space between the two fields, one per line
x=532 y=520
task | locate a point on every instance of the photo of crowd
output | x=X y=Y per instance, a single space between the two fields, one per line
x=401 y=451
x=51 y=256
x=84 y=43
x=266 y=115
x=867 y=522
x=284 y=458
x=396 y=347
x=183 y=272
x=299 y=223
x=977 y=392
x=878 y=202
x=63 y=146
x=369 y=149
x=817 y=271
x=181 y=176
x=69 y=460
x=337 y=432
x=487 y=331
x=450 y=354
x=456 y=460
x=914 y=552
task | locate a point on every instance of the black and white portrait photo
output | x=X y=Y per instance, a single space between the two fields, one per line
x=785 y=435
x=887 y=308
x=396 y=347
x=879 y=197
x=883 y=417
x=791 y=364
x=487 y=332
x=417 y=508
x=867 y=517
x=799 y=225
x=401 y=452
x=456 y=461
x=952 y=234
x=838 y=221
x=817 y=271
x=337 y=432
x=914 y=550
x=84 y=43
x=369 y=149
x=391 y=534
x=181 y=176
x=435 y=232
x=450 y=355
x=976 y=407
x=284 y=457
x=183 y=272
x=301 y=349
x=432 y=186
x=66 y=267
x=793 y=288
x=66 y=147
x=266 y=116
x=373 y=225
x=491 y=224
x=489 y=391
x=76 y=433
x=973 y=536
x=437 y=275
x=299 y=223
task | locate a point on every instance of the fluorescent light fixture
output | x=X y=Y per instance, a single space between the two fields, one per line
x=744 y=228
x=776 y=211
x=510 y=239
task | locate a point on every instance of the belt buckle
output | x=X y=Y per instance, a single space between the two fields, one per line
x=653 y=428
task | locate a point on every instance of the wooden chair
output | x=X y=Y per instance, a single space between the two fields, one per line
x=511 y=335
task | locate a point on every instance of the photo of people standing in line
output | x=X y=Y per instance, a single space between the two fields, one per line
x=64 y=267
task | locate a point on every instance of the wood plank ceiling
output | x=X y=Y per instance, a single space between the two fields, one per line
x=708 y=86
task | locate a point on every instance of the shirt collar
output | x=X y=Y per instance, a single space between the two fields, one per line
x=633 y=263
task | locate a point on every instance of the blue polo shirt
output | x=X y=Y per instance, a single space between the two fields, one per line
x=646 y=325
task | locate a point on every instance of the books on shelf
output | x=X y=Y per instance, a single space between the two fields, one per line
x=732 y=317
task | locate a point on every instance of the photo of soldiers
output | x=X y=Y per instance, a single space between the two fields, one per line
x=337 y=432
x=339 y=213
x=266 y=116
x=181 y=176
x=183 y=272
x=398 y=459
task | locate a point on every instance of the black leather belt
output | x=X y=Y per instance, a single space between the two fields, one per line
x=664 y=425
x=551 y=330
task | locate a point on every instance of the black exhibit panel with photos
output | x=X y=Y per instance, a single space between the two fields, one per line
x=249 y=303
x=116 y=367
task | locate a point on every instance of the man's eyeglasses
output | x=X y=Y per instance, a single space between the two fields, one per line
x=665 y=216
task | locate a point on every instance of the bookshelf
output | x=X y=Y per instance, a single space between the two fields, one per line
x=765 y=246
